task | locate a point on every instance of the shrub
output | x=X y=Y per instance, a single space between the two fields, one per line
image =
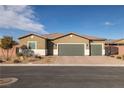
x=1 y=61
x=39 y=57
x=118 y=57
x=112 y=56
x=19 y=54
x=25 y=51
x=32 y=60
x=123 y=57
x=17 y=61
x=24 y=47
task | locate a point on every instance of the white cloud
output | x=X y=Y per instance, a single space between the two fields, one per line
x=19 y=17
x=107 y=23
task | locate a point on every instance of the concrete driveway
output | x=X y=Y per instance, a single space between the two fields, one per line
x=87 y=60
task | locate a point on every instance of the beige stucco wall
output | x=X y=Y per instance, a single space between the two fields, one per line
x=69 y=39
x=41 y=42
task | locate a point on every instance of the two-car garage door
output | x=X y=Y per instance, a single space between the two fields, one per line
x=78 y=50
x=71 y=49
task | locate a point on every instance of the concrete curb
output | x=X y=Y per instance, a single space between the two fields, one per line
x=112 y=65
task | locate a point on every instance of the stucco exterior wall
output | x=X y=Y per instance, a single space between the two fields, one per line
x=41 y=42
x=70 y=39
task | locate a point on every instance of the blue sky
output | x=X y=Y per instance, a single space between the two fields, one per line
x=101 y=21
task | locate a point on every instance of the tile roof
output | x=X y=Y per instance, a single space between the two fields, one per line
x=118 y=41
x=32 y=34
x=58 y=35
x=52 y=36
x=93 y=37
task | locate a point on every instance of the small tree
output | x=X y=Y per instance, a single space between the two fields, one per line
x=26 y=51
x=7 y=43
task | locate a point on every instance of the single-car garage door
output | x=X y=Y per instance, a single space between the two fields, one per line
x=96 y=50
x=71 y=49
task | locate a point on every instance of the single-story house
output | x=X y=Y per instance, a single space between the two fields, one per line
x=115 y=47
x=70 y=44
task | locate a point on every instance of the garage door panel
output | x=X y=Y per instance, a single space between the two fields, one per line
x=96 y=50
x=71 y=49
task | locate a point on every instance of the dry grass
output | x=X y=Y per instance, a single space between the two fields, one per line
x=118 y=56
x=48 y=60
x=25 y=60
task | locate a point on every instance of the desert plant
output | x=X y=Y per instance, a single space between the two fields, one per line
x=27 y=52
x=123 y=57
x=39 y=57
x=23 y=47
x=112 y=56
x=118 y=57
x=32 y=60
x=19 y=54
x=17 y=61
x=1 y=61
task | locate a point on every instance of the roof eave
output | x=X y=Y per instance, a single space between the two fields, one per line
x=98 y=39
x=69 y=34
x=30 y=35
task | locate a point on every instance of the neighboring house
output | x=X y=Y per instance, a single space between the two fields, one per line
x=115 y=47
x=64 y=45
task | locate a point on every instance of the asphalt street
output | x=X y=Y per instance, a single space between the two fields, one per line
x=64 y=76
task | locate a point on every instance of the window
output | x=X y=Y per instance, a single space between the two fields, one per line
x=32 y=44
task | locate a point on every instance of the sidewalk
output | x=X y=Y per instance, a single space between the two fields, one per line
x=113 y=65
x=76 y=61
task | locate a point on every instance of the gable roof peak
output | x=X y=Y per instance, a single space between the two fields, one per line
x=30 y=35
